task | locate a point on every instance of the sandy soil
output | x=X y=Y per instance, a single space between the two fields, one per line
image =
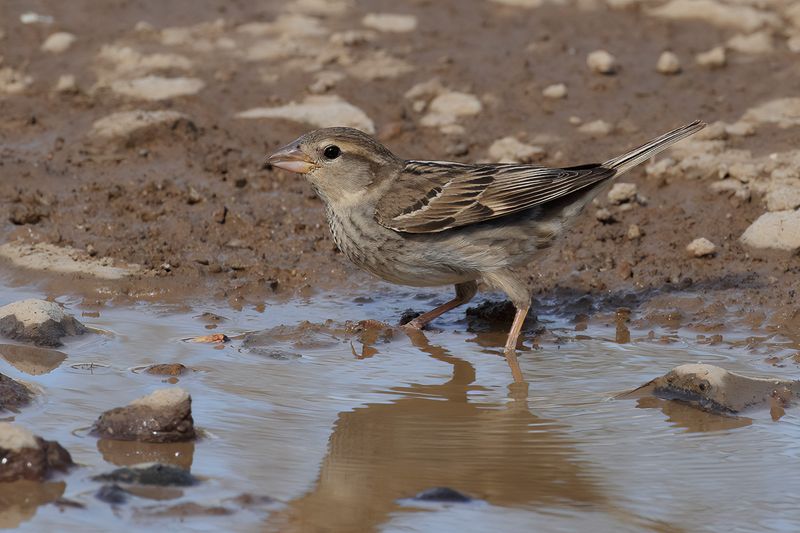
x=184 y=196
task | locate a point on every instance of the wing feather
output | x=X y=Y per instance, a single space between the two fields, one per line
x=433 y=196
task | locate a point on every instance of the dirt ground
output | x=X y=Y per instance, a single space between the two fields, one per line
x=189 y=200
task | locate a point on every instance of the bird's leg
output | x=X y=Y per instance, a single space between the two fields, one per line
x=464 y=293
x=511 y=343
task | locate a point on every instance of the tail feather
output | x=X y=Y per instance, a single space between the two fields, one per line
x=627 y=161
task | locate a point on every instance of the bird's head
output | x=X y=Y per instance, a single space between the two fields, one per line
x=339 y=162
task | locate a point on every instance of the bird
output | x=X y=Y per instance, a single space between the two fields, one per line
x=435 y=223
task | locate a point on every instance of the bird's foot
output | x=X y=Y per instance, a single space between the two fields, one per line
x=415 y=325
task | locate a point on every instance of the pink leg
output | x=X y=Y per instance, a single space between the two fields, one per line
x=511 y=343
x=464 y=293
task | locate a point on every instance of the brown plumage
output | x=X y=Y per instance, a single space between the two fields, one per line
x=429 y=223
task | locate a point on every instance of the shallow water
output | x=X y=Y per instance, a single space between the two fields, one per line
x=342 y=437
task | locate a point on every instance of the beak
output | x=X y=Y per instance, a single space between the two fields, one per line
x=292 y=159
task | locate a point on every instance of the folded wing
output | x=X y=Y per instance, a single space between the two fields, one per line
x=432 y=196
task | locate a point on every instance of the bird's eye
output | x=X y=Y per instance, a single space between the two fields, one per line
x=332 y=152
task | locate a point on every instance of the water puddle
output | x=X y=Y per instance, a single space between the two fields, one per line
x=311 y=427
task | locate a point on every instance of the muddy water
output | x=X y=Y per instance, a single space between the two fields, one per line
x=343 y=436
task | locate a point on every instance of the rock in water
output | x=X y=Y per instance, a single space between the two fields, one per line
x=442 y=494
x=150 y=474
x=715 y=389
x=38 y=321
x=163 y=416
x=13 y=395
x=23 y=455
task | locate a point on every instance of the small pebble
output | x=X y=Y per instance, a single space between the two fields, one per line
x=668 y=63
x=634 y=232
x=714 y=58
x=596 y=128
x=602 y=62
x=390 y=22
x=604 y=215
x=556 y=92
x=622 y=192
x=701 y=247
x=759 y=42
x=66 y=84
x=740 y=129
x=58 y=42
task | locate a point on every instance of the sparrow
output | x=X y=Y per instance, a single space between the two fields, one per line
x=432 y=223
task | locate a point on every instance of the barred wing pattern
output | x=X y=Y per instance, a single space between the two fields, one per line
x=433 y=196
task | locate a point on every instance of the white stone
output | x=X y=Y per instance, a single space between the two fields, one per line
x=779 y=230
x=602 y=62
x=33 y=312
x=126 y=60
x=556 y=91
x=783 y=197
x=701 y=247
x=29 y=17
x=425 y=89
x=668 y=63
x=634 y=232
x=390 y=22
x=157 y=87
x=742 y=17
x=162 y=398
x=754 y=43
x=13 y=81
x=740 y=129
x=714 y=58
x=785 y=112
x=744 y=171
x=729 y=186
x=448 y=107
x=52 y=258
x=511 y=150
x=379 y=66
x=321 y=111
x=15 y=438
x=596 y=128
x=660 y=167
x=58 y=42
x=124 y=123
x=622 y=192
x=66 y=84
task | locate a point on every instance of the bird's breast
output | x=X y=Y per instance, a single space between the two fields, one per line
x=387 y=254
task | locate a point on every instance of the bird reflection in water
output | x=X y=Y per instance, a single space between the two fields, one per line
x=436 y=436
